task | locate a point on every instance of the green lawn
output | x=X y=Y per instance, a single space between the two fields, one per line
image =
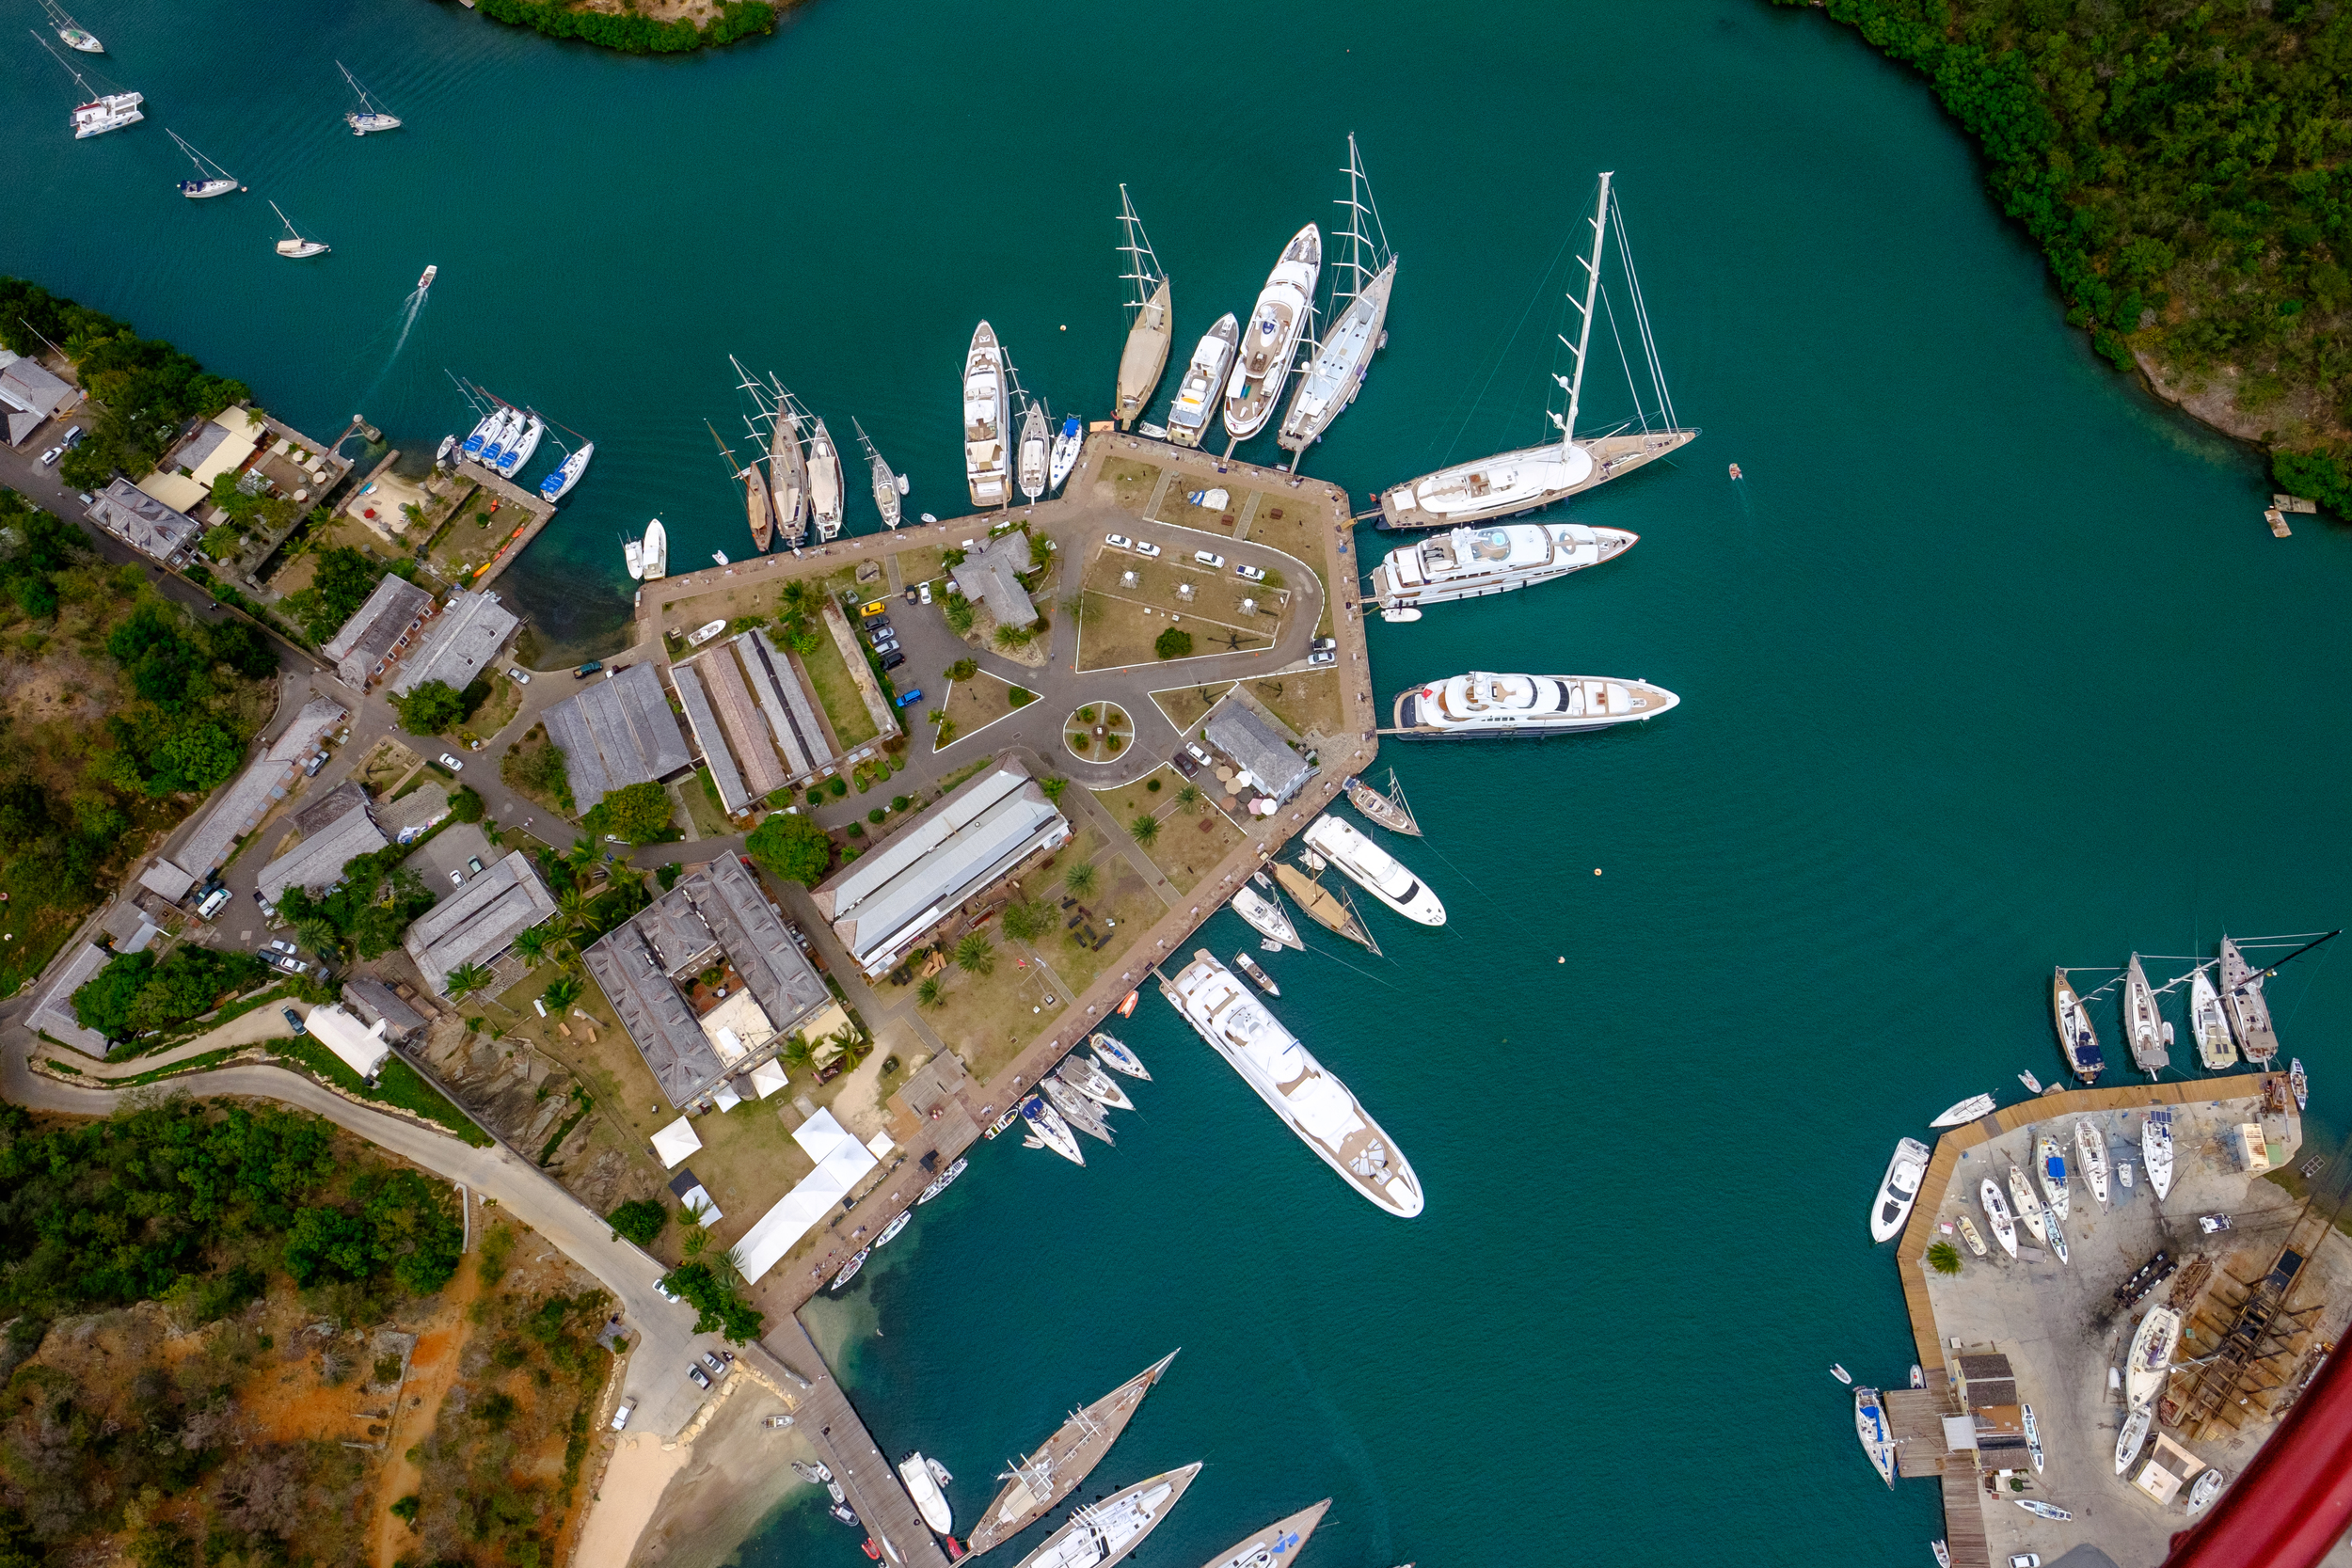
x=845 y=710
x=397 y=1083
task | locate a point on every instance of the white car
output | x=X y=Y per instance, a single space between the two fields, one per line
x=1321 y=657
x=620 y=1417
x=1145 y=546
x=927 y=592
x=1255 y=573
x=457 y=876
x=452 y=763
x=1209 y=559
x=281 y=947
x=1119 y=542
x=520 y=677
x=51 y=455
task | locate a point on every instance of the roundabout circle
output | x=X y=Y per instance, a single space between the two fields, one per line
x=1099 y=733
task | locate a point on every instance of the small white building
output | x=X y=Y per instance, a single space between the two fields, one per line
x=361 y=1047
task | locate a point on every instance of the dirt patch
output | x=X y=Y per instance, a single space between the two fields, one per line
x=1187 y=705
x=1193 y=838
x=1308 y=703
x=1126 y=483
x=432 y=1372
x=1132 y=600
x=977 y=702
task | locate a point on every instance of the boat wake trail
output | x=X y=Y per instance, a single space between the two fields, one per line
x=410 y=308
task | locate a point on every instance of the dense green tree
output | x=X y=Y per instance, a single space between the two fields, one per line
x=1175 y=643
x=137 y=992
x=640 y=1220
x=792 y=846
x=717 y=1307
x=429 y=708
x=466 y=806
x=639 y=814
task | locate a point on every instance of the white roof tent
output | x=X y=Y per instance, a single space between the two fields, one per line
x=842 y=1162
x=675 y=1143
x=363 y=1049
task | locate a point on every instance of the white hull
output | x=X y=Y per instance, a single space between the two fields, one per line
x=112 y=112
x=510 y=425
x=930 y=1501
x=987 y=442
x=633 y=557
x=2250 y=1014
x=2135 y=1433
x=1067 y=444
x=520 y=453
x=1194 y=408
x=1471 y=563
x=2029 y=1208
x=657 y=550
x=2049 y=1168
x=1266 y=917
x=482 y=434
x=1037 y=453
x=826 y=494
x=1485 y=706
x=1081 y=1074
x=2143 y=1024
x=1898 y=1190
x=1878 y=1441
x=1996 y=1213
x=368 y=125
x=2209 y=1022
x=1341 y=361
x=1102 y=1533
x=1974 y=1109
x=2156 y=1152
x=1270 y=341
x=559 y=483
x=2091 y=1149
x=2151 y=1363
x=204 y=190
x=1374 y=870
x=1522 y=480
x=1050 y=1130
x=1115 y=1056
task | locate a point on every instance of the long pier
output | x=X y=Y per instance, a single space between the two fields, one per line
x=825 y=1417
x=533 y=505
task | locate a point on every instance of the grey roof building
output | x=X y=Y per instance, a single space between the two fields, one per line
x=54 y=1016
x=991 y=575
x=377 y=1002
x=336 y=830
x=144 y=523
x=478 y=923
x=791 y=717
x=27 y=389
x=1250 y=741
x=413 y=813
x=886 y=901
x=379 y=631
x=617 y=733
x=709 y=737
x=239 y=809
x=716 y=916
x=468 y=630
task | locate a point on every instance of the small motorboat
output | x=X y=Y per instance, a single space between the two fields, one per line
x=2298 y=1082
x=939 y=1471
x=633 y=556
x=1918 y=1376
x=2134 y=1433
x=1943 y=1553
x=848 y=1270
x=946 y=1179
x=1115 y=1056
x=442 y=454
x=1969 y=1233
x=1840 y=1373
x=1996 y=1213
x=2213 y=1225
x=2033 y=1084
x=1736 y=474
x=2203 y=1491
x=1878 y=1441
x=897 y=1224
x=431 y=272
x=2123 y=1174
x=1082 y=1074
x=2091 y=1150
x=1898 y=1190
x=1127 y=1007
x=1975 y=1108
x=775 y=1423
x=815 y=1475
x=704 y=633
x=2040 y=1510
x=719 y=556
x=2033 y=1437
x=930 y=1501
x=844 y=1513
x=1263 y=981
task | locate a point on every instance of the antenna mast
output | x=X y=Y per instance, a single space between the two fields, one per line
x=1584 y=330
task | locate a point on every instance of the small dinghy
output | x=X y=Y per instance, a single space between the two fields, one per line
x=815 y=1475
x=2298 y=1082
x=1081 y=1074
x=1263 y=981
x=1918 y=1376
x=1975 y=1108
x=1840 y=1373
x=2033 y=1084
x=1266 y=916
x=1117 y=1057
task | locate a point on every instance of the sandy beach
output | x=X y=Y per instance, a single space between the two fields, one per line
x=705 y=1499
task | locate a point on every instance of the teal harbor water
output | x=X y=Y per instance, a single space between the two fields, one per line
x=1989 y=664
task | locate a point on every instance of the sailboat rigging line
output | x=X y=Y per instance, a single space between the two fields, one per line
x=1344 y=964
x=1501 y=350
x=1641 y=314
x=1641 y=414
x=2282 y=940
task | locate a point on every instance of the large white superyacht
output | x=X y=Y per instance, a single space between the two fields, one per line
x=1471 y=562
x=1374 y=869
x=1189 y=417
x=1481 y=705
x=1526 y=478
x=1270 y=341
x=1221 y=1009
x=987 y=443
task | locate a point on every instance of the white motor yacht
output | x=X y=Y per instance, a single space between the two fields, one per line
x=657 y=550
x=1900 y=1190
x=1102 y=1533
x=1374 y=870
x=1315 y=1105
x=2150 y=1361
x=1482 y=706
x=987 y=442
x=1270 y=341
x=2090 y=1147
x=1205 y=379
x=930 y=1501
x=2210 y=1022
x=1472 y=562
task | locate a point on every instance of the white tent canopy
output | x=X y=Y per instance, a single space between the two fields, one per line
x=359 y=1046
x=674 y=1143
x=768 y=1077
x=842 y=1162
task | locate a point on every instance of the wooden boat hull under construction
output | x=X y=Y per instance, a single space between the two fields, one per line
x=1063 y=1462
x=1322 y=906
x=1144 y=360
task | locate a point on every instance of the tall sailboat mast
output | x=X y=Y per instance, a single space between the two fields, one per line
x=1143 y=267
x=1150 y=318
x=1365 y=254
x=1584 y=329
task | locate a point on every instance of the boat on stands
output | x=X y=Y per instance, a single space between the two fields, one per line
x=1363 y=274
x=827 y=495
x=2135 y=1433
x=1258 y=976
x=1389 y=811
x=520 y=453
x=70 y=32
x=2144 y=1028
x=1076 y=1109
x=1046 y=1477
x=370 y=117
x=1527 y=478
x=295 y=248
x=2299 y=1083
x=1050 y=1131
x=2090 y=1149
x=1311 y=1101
x=1275 y=1547
x=1099 y=1534
x=1330 y=910
x=889 y=489
x=2076 y=1037
x=930 y=1501
x=1877 y=1439
x=849 y=1272
x=900 y=1222
x=1270 y=341
x=211 y=179
x=1151 y=319
x=1068 y=443
x=1975 y=1108
x=2040 y=1510
x=1266 y=916
x=1474 y=562
x=2049 y=1167
x=1082 y=1074
x=943 y=1180
x=2209 y=1022
x=1483 y=705
x=558 y=484
x=657 y=550
x=1898 y=1190
x=2156 y=1152
x=2028 y=1206
x=1969 y=1233
x=2033 y=1437
x=1115 y=1056
x=2150 y=1362
x=2250 y=1015
x=2207 y=1488
x=1996 y=1213
x=1189 y=417
x=1374 y=869
x=987 y=442
x=1037 y=449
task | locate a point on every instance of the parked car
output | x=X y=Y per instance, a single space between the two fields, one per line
x=1198 y=754
x=702 y=1379
x=51 y=455
x=88 y=499
x=457 y=876
x=310 y=768
x=73 y=437
x=620 y=1417
x=520 y=677
x=717 y=1366
x=211 y=902
x=294 y=1018
x=926 y=589
x=473 y=864
x=910 y=593
x=892 y=659
x=878 y=626
x=1119 y=542
x=869 y=611
x=452 y=763
x=1322 y=657
x=257 y=897
x=2025 y=1559
x=1145 y=546
x=281 y=947
x=1324 y=645
x=1209 y=559
x=592 y=667
x=1255 y=573
x=907 y=698
x=885 y=645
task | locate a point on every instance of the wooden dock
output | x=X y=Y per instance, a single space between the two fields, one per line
x=826 y=1418
x=533 y=505
x=1915 y=1417
x=1964 y=1519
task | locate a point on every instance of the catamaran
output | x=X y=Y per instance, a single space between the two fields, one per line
x=98 y=113
x=1204 y=378
x=2210 y=1022
x=1293 y=1085
x=2091 y=1148
x=558 y=484
x=2250 y=1015
x=2076 y=1037
x=211 y=179
x=1374 y=870
x=2144 y=1027
x=1037 y=445
x=1117 y=1056
x=889 y=489
x=1526 y=478
x=1361 y=281
x=1996 y=1213
x=1151 y=321
x=368 y=118
x=1266 y=916
x=70 y=32
x=294 y=247
x=2150 y=1362
x=520 y=453
x=1068 y=442
x=987 y=443
x=1102 y=1533
x=1270 y=341
x=1481 y=705
x=1898 y=1190
x=2156 y=1152
x=1474 y=563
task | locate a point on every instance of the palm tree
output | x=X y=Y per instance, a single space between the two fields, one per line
x=1146 y=828
x=1944 y=1258
x=930 y=993
x=560 y=994
x=1081 y=880
x=976 y=955
x=572 y=905
x=466 y=979
x=532 y=944
x=1187 y=798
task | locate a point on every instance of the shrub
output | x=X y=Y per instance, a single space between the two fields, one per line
x=1146 y=828
x=1151 y=785
x=791 y=846
x=816 y=798
x=466 y=806
x=1022 y=697
x=1175 y=643
x=963 y=669
x=836 y=787
x=856 y=830
x=898 y=803
x=877 y=816
x=640 y=1220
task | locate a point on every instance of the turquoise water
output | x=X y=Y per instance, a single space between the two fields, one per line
x=1989 y=664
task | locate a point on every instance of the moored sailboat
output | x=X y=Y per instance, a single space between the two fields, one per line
x=2076 y=1037
x=1266 y=916
x=2209 y=1022
x=1389 y=811
x=70 y=32
x=1362 y=280
x=758 y=502
x=527 y=443
x=1099 y=1535
x=2143 y=1024
x=1189 y=417
x=558 y=484
x=1151 y=319
x=1076 y=1109
x=1037 y=445
x=211 y=179
x=1330 y=910
x=889 y=489
x=1054 y=1469
x=99 y=112
x=2250 y=1015
x=370 y=117
x=1975 y=1108
x=1068 y=442
x=828 y=497
x=1270 y=341
x=294 y=247
x=1083 y=1074
x=1877 y=1439
x=1277 y=1545
x=1050 y=1132
x=1115 y=1055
